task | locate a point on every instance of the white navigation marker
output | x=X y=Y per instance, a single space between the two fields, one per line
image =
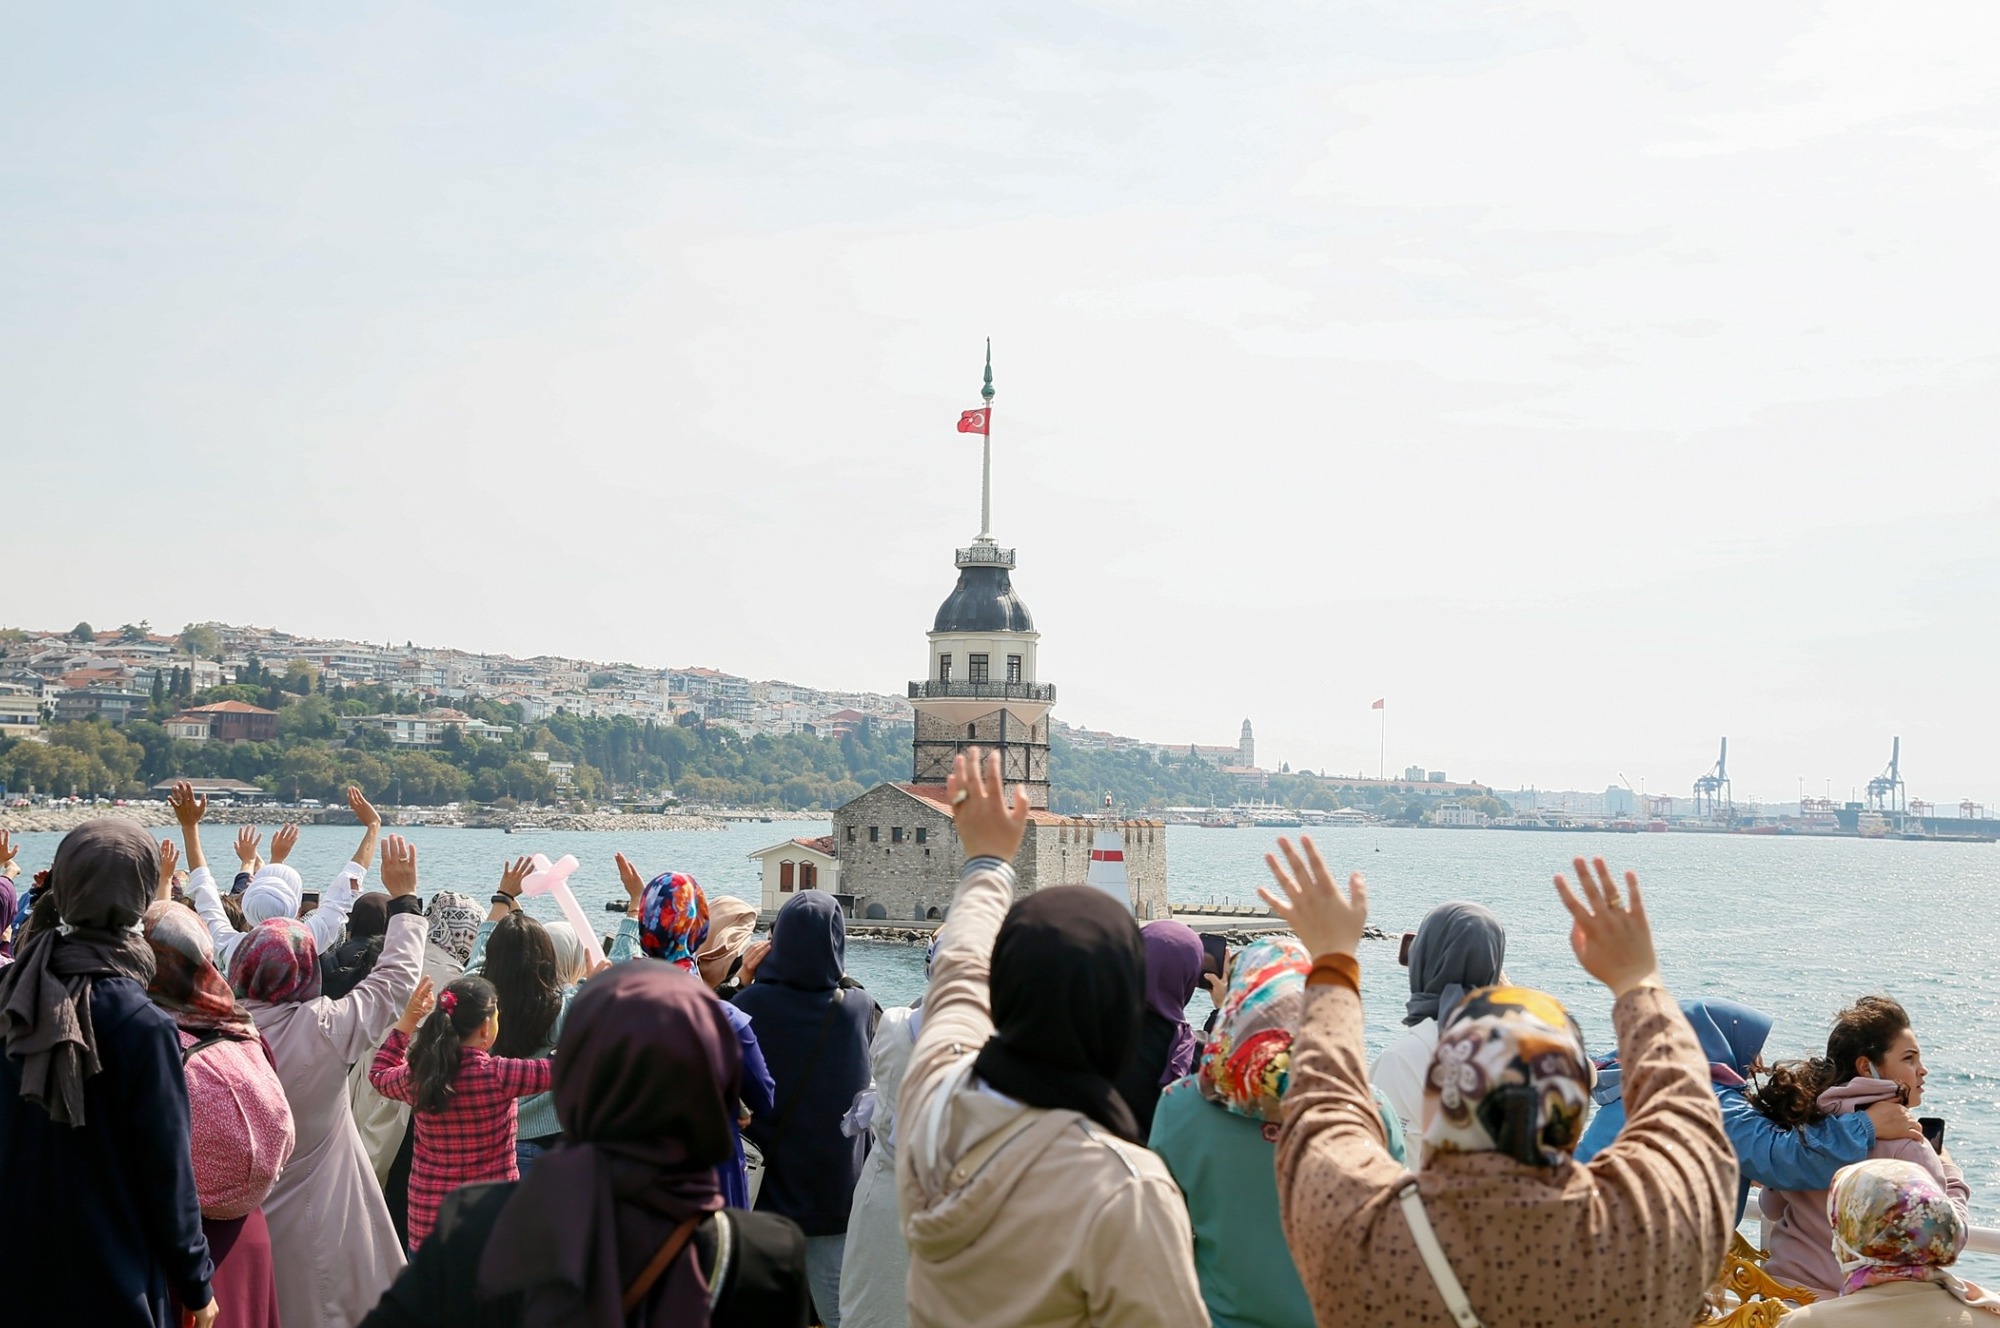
x=1107 y=865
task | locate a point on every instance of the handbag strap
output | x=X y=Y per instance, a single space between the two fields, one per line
x=635 y=1295
x=189 y=1052
x=1456 y=1302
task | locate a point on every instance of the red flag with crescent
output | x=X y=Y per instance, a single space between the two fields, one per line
x=975 y=421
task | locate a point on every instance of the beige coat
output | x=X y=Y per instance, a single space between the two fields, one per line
x=1629 y=1240
x=1892 y=1305
x=1016 y=1215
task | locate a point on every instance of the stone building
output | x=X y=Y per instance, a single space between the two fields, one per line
x=900 y=856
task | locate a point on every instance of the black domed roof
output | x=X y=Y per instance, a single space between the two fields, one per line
x=983 y=601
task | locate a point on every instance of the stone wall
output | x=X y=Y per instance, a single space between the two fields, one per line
x=1024 y=757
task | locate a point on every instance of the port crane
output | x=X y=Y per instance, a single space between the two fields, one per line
x=1885 y=791
x=1712 y=799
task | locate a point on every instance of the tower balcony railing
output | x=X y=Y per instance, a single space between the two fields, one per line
x=983 y=691
x=986 y=555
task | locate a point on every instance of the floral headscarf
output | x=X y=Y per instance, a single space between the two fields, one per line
x=1246 y=1065
x=673 y=919
x=455 y=920
x=275 y=962
x=1893 y=1223
x=1510 y=1076
x=186 y=983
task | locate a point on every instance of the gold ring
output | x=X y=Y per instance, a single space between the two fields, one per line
x=960 y=796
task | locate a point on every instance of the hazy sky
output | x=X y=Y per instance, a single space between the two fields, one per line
x=1590 y=380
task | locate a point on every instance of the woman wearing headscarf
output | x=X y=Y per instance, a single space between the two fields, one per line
x=1459 y=947
x=335 y=1247
x=1027 y=1196
x=667 y=919
x=645 y=1085
x=1166 y=1046
x=731 y=923
x=276 y=890
x=1501 y=1222
x=10 y=900
x=342 y=968
x=1896 y=1234
x=95 y=1154
x=242 y=1123
x=1217 y=1131
x=813 y=1025
x=1804 y=1158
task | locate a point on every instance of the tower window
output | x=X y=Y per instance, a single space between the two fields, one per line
x=975 y=668
x=874 y=834
x=1013 y=668
x=923 y=834
x=944 y=668
x=850 y=834
x=895 y=834
x=971 y=730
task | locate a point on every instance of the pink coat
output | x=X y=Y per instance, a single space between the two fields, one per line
x=242 y=1125
x=1796 y=1227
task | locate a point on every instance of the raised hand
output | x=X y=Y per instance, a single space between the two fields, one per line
x=247 y=840
x=634 y=883
x=283 y=840
x=515 y=872
x=753 y=959
x=399 y=867
x=1325 y=921
x=188 y=808
x=8 y=867
x=170 y=861
x=987 y=826
x=419 y=1005
x=1611 y=936
x=364 y=811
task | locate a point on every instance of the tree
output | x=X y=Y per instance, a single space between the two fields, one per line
x=300 y=677
x=200 y=640
x=83 y=632
x=138 y=631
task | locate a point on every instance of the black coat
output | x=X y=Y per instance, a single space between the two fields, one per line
x=105 y=1221
x=764 y=1286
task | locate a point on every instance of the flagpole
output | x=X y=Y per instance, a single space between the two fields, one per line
x=986 y=451
x=1382 y=747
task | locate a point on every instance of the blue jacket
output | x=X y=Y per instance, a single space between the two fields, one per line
x=106 y=1220
x=1732 y=1036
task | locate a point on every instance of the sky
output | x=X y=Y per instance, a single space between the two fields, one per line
x=1588 y=381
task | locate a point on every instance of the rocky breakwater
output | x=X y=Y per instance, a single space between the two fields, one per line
x=616 y=821
x=29 y=820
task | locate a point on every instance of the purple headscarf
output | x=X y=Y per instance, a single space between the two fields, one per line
x=9 y=903
x=1173 y=970
x=647 y=1074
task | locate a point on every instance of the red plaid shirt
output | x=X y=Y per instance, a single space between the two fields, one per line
x=472 y=1139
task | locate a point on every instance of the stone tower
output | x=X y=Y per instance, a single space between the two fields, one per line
x=980 y=688
x=1246 y=749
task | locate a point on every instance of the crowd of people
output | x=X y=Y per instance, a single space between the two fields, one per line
x=251 y=1109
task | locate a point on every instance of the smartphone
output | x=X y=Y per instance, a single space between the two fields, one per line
x=1403 y=952
x=1933 y=1128
x=308 y=902
x=1214 y=954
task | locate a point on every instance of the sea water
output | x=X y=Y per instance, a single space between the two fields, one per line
x=1797 y=927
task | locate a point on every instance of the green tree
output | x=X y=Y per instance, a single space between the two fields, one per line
x=138 y=631
x=299 y=678
x=200 y=641
x=83 y=632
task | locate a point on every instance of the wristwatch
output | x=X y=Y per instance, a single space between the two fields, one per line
x=507 y=900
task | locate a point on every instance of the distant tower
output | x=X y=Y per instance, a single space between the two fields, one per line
x=1246 y=749
x=980 y=688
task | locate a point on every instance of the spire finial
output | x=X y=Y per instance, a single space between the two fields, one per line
x=986 y=392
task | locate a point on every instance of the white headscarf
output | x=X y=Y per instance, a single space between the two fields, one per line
x=276 y=891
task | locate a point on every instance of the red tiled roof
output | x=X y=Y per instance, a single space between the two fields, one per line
x=230 y=708
x=823 y=844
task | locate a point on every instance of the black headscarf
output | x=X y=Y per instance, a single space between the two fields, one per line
x=1068 y=983
x=1459 y=948
x=808 y=943
x=102 y=878
x=342 y=968
x=646 y=1077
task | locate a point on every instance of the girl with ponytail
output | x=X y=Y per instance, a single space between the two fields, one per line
x=464 y=1096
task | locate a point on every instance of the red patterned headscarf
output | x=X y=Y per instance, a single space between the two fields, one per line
x=673 y=919
x=276 y=962
x=186 y=983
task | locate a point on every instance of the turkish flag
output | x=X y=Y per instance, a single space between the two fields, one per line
x=975 y=421
x=1377 y=706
